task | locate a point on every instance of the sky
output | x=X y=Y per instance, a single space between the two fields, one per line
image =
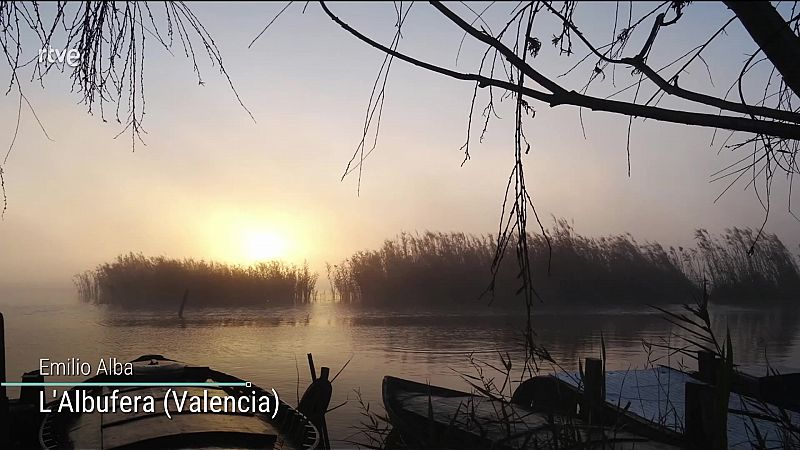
x=212 y=183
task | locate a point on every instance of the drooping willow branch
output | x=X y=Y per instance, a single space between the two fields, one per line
x=110 y=39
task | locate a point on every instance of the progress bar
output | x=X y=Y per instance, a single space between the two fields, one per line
x=124 y=384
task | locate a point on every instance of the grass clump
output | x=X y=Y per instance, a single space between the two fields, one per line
x=741 y=268
x=445 y=268
x=137 y=280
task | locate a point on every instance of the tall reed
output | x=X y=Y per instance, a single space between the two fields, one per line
x=137 y=280
x=446 y=268
x=741 y=267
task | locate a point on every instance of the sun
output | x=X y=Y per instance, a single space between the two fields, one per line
x=264 y=245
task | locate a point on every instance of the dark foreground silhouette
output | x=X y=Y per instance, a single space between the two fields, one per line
x=445 y=269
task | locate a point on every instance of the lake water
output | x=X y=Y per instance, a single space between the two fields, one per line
x=268 y=347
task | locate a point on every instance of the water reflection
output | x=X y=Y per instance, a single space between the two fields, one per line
x=758 y=334
x=212 y=317
x=268 y=346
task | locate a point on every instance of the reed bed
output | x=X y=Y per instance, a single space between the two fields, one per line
x=413 y=267
x=137 y=280
x=446 y=268
x=740 y=267
x=443 y=269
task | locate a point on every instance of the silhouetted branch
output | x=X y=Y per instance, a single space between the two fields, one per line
x=775 y=126
x=107 y=41
x=559 y=96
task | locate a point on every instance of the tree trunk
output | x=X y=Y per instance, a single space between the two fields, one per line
x=774 y=36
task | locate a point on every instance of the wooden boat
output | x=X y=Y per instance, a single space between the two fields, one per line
x=655 y=399
x=289 y=429
x=777 y=385
x=435 y=417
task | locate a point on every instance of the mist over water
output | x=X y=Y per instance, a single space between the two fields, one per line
x=269 y=346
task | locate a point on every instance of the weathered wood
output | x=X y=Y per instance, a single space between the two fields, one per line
x=781 y=389
x=316 y=399
x=435 y=417
x=311 y=367
x=546 y=394
x=153 y=429
x=708 y=366
x=699 y=421
x=30 y=394
x=654 y=399
x=594 y=393
x=322 y=424
x=207 y=428
x=183 y=302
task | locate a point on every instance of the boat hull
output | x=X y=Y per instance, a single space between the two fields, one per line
x=109 y=426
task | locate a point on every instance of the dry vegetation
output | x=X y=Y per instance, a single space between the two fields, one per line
x=446 y=268
x=136 y=280
x=441 y=269
x=739 y=270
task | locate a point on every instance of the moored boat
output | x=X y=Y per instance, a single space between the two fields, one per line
x=656 y=399
x=435 y=417
x=223 y=416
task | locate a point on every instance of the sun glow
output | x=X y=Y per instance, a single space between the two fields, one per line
x=264 y=245
x=237 y=239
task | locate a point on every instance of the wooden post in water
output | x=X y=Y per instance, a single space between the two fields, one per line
x=708 y=366
x=324 y=372
x=30 y=394
x=594 y=391
x=315 y=401
x=5 y=439
x=311 y=367
x=183 y=302
x=703 y=429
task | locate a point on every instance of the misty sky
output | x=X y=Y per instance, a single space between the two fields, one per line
x=211 y=183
